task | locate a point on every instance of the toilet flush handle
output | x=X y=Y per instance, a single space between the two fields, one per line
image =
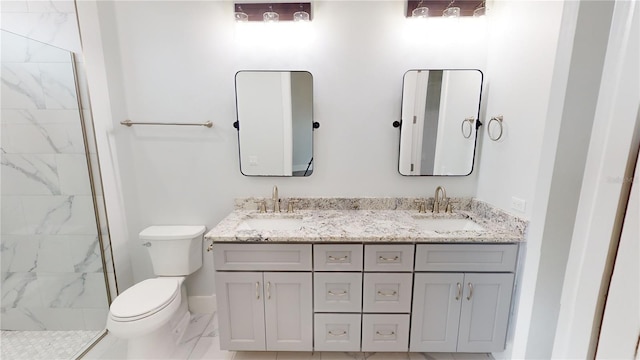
x=147 y=244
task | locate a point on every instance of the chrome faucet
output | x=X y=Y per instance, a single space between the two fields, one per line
x=276 y=200
x=437 y=199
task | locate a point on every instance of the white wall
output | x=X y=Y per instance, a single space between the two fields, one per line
x=523 y=37
x=177 y=61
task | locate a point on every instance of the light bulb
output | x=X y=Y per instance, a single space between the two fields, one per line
x=300 y=16
x=420 y=12
x=479 y=12
x=452 y=11
x=241 y=16
x=270 y=16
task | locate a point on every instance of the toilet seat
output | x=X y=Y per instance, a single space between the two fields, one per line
x=144 y=299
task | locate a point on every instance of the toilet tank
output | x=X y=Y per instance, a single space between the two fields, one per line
x=174 y=250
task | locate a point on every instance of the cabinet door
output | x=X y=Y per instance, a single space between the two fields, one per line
x=288 y=311
x=436 y=312
x=485 y=312
x=240 y=310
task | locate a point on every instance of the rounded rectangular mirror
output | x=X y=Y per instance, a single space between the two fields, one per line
x=440 y=110
x=275 y=122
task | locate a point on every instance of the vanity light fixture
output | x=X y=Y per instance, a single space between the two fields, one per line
x=451 y=11
x=420 y=11
x=273 y=12
x=481 y=10
x=240 y=15
x=444 y=8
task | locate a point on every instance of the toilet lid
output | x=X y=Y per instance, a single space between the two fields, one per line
x=145 y=298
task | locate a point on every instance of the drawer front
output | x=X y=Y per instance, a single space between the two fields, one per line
x=388 y=257
x=262 y=257
x=466 y=257
x=337 y=332
x=385 y=332
x=387 y=293
x=337 y=292
x=337 y=257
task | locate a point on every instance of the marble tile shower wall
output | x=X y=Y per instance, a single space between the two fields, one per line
x=52 y=276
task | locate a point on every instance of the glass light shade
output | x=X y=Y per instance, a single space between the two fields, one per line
x=301 y=16
x=241 y=16
x=270 y=16
x=452 y=11
x=481 y=11
x=420 y=12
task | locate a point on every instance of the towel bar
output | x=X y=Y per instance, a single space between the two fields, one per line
x=129 y=123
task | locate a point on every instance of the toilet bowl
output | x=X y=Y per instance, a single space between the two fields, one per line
x=153 y=315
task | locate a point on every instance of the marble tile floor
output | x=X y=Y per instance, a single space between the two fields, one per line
x=44 y=345
x=201 y=342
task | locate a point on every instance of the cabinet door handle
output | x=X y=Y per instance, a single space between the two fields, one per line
x=470 y=291
x=459 y=292
x=341 y=258
x=392 y=293
x=257 y=290
x=382 y=258
x=389 y=334
x=343 y=293
x=343 y=333
x=269 y=290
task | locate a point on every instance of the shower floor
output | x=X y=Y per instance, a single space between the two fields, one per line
x=45 y=345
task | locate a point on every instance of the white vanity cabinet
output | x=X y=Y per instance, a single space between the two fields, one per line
x=264 y=310
x=364 y=297
x=463 y=310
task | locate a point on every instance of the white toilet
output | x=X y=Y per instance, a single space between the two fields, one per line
x=153 y=314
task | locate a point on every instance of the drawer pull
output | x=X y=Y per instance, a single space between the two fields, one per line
x=343 y=293
x=257 y=290
x=382 y=258
x=392 y=293
x=470 y=291
x=343 y=333
x=341 y=258
x=459 y=292
x=389 y=334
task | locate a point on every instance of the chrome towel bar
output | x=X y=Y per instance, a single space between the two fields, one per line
x=129 y=123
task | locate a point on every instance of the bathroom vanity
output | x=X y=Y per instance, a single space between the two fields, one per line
x=369 y=275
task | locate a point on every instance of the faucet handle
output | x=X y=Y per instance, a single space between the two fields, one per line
x=262 y=206
x=290 y=205
x=422 y=205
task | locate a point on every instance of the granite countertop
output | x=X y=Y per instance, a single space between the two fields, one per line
x=373 y=224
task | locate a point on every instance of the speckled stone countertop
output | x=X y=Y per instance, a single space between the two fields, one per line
x=367 y=220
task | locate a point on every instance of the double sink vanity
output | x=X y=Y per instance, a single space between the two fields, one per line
x=365 y=274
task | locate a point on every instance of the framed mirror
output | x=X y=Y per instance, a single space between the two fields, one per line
x=275 y=122
x=439 y=122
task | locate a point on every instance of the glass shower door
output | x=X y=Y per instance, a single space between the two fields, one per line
x=54 y=288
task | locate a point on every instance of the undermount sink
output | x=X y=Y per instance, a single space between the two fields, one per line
x=431 y=224
x=271 y=224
